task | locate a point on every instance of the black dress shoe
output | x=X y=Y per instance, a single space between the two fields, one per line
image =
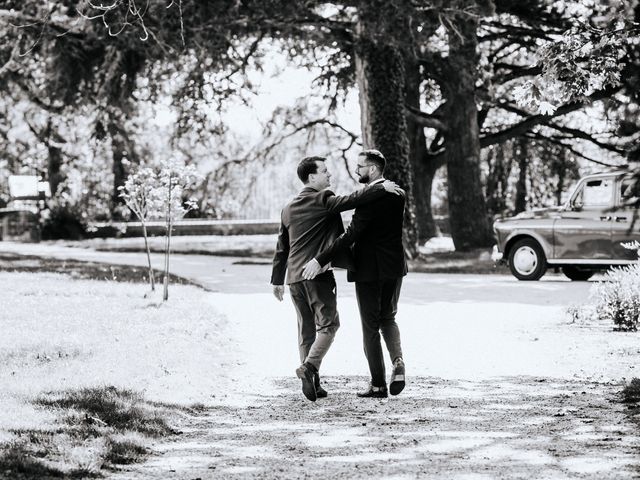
x=396 y=385
x=320 y=392
x=306 y=372
x=374 y=392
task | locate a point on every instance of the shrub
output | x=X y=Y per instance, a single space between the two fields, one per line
x=124 y=451
x=119 y=409
x=63 y=222
x=618 y=297
x=631 y=391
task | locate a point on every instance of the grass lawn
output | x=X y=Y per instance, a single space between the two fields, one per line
x=92 y=371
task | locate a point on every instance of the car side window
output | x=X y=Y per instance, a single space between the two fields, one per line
x=594 y=193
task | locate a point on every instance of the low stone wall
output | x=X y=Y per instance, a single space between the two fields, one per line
x=19 y=226
x=185 y=227
x=205 y=227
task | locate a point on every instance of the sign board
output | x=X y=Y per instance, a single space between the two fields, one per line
x=44 y=188
x=27 y=187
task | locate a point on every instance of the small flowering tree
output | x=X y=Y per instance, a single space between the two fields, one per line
x=139 y=194
x=174 y=178
x=618 y=297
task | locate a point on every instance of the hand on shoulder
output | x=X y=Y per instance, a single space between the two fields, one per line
x=392 y=187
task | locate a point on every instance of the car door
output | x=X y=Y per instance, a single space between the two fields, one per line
x=582 y=230
x=625 y=218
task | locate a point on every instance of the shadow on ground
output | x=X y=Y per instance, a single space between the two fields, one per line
x=99 y=429
x=508 y=428
x=10 y=262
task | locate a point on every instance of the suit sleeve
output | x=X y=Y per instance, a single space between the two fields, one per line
x=340 y=203
x=280 y=257
x=361 y=218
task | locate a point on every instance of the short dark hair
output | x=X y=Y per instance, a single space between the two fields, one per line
x=307 y=166
x=375 y=157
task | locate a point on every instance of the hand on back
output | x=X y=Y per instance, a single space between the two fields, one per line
x=311 y=269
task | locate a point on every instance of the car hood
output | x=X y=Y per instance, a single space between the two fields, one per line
x=537 y=213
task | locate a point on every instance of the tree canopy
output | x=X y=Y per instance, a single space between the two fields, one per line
x=440 y=82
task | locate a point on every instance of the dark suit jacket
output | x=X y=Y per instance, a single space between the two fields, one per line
x=309 y=223
x=376 y=235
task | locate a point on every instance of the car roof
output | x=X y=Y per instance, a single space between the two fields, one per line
x=613 y=173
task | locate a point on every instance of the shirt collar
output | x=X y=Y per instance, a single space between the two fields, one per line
x=379 y=180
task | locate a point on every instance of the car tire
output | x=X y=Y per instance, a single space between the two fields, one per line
x=577 y=274
x=527 y=260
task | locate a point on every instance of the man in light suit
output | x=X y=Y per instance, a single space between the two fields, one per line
x=376 y=235
x=309 y=223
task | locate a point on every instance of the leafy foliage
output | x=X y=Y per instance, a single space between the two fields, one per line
x=139 y=194
x=159 y=193
x=618 y=297
x=580 y=62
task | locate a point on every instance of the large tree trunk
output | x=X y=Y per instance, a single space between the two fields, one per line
x=520 y=153
x=424 y=171
x=54 y=163
x=423 y=166
x=497 y=182
x=121 y=151
x=380 y=76
x=561 y=171
x=469 y=221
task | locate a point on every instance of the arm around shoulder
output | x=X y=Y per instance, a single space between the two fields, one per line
x=341 y=203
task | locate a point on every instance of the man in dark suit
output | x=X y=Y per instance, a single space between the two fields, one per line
x=309 y=223
x=376 y=235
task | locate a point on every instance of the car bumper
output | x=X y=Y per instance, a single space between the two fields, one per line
x=496 y=255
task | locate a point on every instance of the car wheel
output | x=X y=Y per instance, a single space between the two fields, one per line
x=527 y=260
x=578 y=274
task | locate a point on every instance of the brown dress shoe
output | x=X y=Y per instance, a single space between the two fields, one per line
x=320 y=392
x=396 y=385
x=306 y=372
x=374 y=392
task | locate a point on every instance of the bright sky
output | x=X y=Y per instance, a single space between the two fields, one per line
x=279 y=85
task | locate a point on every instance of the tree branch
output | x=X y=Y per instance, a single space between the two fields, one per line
x=555 y=141
x=241 y=66
x=312 y=123
x=10 y=64
x=534 y=120
x=516 y=31
x=34 y=98
x=425 y=119
x=516 y=71
x=575 y=133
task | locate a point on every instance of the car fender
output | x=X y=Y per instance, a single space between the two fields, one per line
x=545 y=243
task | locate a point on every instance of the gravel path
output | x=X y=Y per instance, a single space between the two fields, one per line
x=512 y=428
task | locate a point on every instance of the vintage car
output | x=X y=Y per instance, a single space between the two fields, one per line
x=581 y=237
